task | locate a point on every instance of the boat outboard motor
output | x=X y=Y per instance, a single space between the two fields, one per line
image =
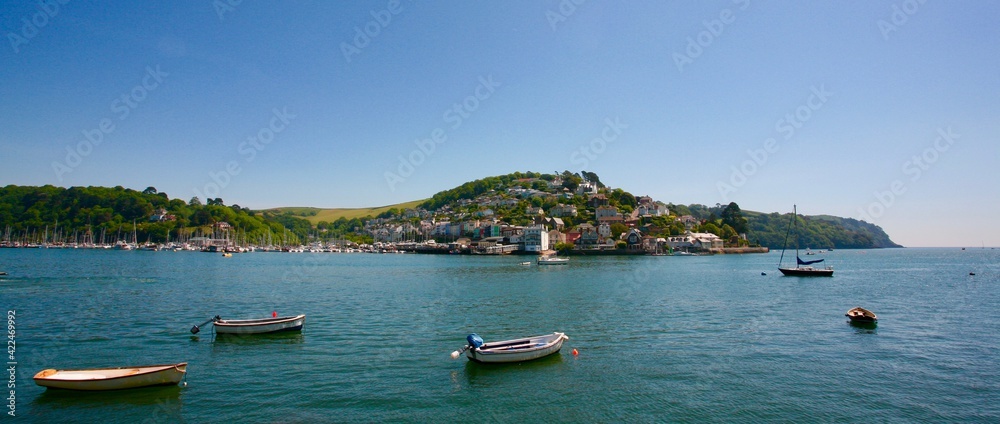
x=474 y=340
x=196 y=329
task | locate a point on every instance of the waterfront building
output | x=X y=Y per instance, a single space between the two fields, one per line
x=536 y=239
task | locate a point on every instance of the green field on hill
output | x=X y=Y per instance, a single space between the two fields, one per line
x=315 y=215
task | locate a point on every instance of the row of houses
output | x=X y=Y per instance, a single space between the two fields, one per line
x=587 y=237
x=545 y=233
x=548 y=228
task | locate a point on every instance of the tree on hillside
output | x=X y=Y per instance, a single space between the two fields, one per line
x=619 y=197
x=680 y=210
x=733 y=216
x=571 y=181
x=592 y=177
x=617 y=229
x=727 y=232
x=709 y=227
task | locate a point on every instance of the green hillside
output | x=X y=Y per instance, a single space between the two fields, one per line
x=817 y=232
x=764 y=229
x=48 y=213
x=317 y=215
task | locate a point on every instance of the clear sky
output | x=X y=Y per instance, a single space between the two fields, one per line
x=879 y=110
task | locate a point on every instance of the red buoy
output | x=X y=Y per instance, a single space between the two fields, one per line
x=575 y=352
x=274 y=314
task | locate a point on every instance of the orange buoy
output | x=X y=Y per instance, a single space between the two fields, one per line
x=575 y=353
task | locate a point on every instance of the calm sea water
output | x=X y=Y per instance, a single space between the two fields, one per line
x=679 y=339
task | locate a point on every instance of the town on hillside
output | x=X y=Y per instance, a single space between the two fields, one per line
x=526 y=213
x=540 y=213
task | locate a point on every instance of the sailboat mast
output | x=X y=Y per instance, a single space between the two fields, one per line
x=795 y=216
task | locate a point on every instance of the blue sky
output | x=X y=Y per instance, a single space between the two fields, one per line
x=882 y=110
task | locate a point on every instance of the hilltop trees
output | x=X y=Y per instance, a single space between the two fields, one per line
x=92 y=209
x=733 y=217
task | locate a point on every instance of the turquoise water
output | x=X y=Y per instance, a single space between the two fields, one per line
x=679 y=339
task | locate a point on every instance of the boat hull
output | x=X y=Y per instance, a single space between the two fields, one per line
x=517 y=350
x=807 y=272
x=554 y=261
x=861 y=315
x=260 y=326
x=98 y=379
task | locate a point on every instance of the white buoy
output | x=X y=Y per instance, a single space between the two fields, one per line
x=455 y=355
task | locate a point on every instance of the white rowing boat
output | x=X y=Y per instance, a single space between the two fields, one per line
x=552 y=260
x=112 y=378
x=259 y=326
x=517 y=350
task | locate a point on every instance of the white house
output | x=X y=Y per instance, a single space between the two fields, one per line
x=604 y=230
x=606 y=211
x=536 y=238
x=556 y=236
x=688 y=221
x=563 y=210
x=586 y=187
x=696 y=241
x=653 y=209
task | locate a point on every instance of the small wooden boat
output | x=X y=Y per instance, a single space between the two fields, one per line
x=552 y=260
x=112 y=378
x=861 y=315
x=517 y=350
x=259 y=326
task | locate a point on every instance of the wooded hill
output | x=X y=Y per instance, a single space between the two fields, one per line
x=48 y=213
x=33 y=212
x=764 y=229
